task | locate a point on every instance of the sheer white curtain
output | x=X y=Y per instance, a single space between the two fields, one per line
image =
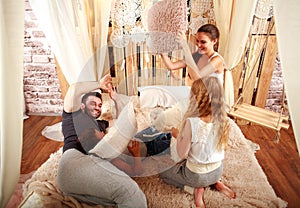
x=77 y=32
x=287 y=20
x=101 y=20
x=63 y=23
x=70 y=26
x=11 y=95
x=234 y=19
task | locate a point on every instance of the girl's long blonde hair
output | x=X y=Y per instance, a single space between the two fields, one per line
x=207 y=98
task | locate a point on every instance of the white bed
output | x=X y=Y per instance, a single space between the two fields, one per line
x=241 y=170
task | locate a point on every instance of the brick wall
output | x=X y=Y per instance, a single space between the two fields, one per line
x=41 y=85
x=274 y=100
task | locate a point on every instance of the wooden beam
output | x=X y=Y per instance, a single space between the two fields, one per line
x=64 y=85
x=236 y=76
x=256 y=45
x=266 y=72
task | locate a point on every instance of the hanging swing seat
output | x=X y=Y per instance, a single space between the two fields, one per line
x=259 y=116
x=255 y=114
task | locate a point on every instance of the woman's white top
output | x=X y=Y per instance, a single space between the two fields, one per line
x=204 y=143
x=220 y=76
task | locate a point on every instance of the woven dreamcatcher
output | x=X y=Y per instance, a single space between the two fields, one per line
x=124 y=16
x=264 y=9
x=201 y=13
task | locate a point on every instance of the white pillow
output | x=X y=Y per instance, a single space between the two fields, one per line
x=120 y=134
x=171 y=117
x=165 y=96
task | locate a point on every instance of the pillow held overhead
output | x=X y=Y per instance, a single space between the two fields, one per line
x=165 y=19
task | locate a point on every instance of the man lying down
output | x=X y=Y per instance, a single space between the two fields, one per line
x=89 y=178
x=82 y=173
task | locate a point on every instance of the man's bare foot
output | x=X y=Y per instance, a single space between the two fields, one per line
x=225 y=190
x=198 y=197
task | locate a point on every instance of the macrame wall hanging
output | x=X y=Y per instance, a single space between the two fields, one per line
x=126 y=27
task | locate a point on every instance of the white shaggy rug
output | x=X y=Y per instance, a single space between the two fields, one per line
x=241 y=172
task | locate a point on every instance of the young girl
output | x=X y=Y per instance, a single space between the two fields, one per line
x=204 y=62
x=200 y=142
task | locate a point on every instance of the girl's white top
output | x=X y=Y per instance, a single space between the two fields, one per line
x=204 y=143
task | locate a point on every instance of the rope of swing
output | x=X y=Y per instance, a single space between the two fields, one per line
x=270 y=27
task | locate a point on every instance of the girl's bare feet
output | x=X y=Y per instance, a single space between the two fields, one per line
x=198 y=197
x=225 y=190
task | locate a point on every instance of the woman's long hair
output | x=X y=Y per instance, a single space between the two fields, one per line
x=207 y=98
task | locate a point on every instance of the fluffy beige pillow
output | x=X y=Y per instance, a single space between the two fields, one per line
x=165 y=19
x=172 y=117
x=108 y=108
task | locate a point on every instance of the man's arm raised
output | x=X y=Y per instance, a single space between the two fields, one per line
x=73 y=96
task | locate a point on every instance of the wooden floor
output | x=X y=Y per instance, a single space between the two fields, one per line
x=280 y=162
x=36 y=147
